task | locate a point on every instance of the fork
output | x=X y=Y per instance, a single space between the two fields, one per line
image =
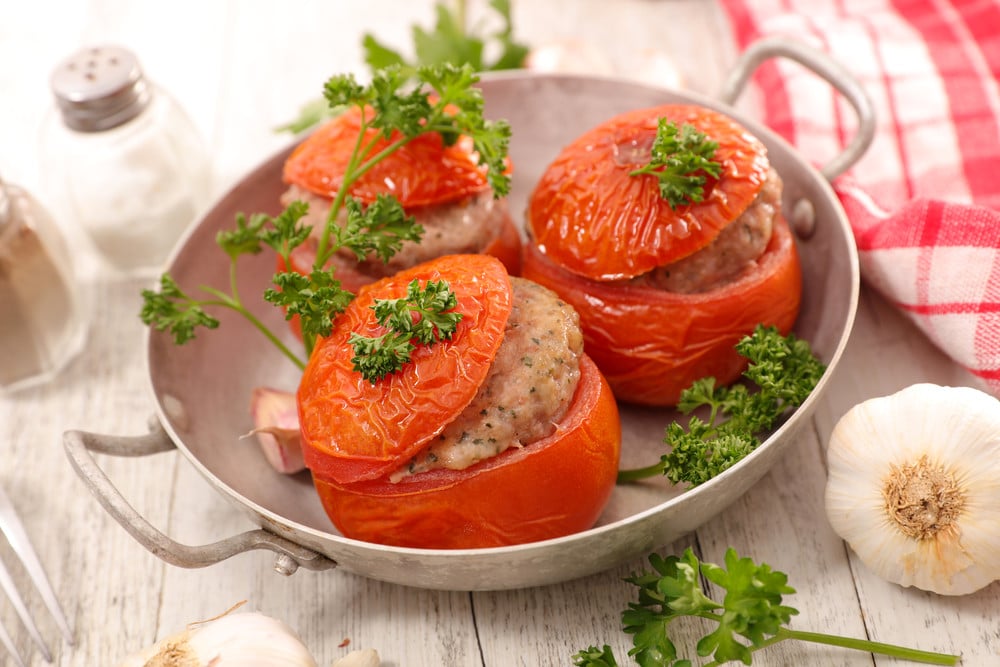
x=13 y=530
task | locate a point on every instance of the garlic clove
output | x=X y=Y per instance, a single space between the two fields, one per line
x=248 y=639
x=914 y=487
x=366 y=657
x=276 y=425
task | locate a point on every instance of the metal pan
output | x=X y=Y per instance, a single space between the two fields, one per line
x=201 y=390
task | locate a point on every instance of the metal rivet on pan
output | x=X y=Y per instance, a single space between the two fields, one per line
x=285 y=564
x=803 y=219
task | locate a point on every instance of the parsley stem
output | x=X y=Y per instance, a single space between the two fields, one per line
x=227 y=301
x=636 y=474
x=911 y=654
x=355 y=170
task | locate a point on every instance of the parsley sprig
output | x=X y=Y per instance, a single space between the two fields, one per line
x=378 y=356
x=784 y=370
x=446 y=101
x=750 y=617
x=680 y=158
x=450 y=41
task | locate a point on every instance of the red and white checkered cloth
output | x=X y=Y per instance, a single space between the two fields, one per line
x=924 y=202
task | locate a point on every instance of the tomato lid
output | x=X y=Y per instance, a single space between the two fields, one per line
x=355 y=430
x=424 y=171
x=589 y=215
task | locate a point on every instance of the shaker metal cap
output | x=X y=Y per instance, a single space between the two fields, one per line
x=100 y=87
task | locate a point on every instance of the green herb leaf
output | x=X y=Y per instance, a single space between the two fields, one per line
x=450 y=42
x=680 y=159
x=455 y=87
x=311 y=113
x=750 y=617
x=380 y=228
x=376 y=357
x=317 y=299
x=447 y=42
x=172 y=310
x=785 y=372
x=378 y=55
x=595 y=657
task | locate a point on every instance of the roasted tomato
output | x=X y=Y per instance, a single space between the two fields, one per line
x=607 y=242
x=442 y=186
x=358 y=435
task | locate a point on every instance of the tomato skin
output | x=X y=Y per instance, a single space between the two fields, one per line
x=353 y=429
x=591 y=217
x=652 y=344
x=553 y=487
x=425 y=171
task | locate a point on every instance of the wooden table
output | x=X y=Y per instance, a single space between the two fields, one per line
x=240 y=69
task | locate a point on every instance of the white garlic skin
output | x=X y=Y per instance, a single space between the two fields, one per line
x=957 y=429
x=276 y=425
x=246 y=639
x=366 y=657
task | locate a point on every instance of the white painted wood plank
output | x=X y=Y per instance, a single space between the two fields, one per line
x=240 y=69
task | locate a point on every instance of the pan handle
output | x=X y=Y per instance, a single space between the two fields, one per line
x=79 y=446
x=827 y=69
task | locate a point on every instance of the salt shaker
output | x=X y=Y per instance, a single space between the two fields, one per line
x=41 y=318
x=122 y=159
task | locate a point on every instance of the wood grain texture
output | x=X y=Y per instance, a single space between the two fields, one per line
x=241 y=69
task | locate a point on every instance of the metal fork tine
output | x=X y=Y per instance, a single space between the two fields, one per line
x=13 y=529
x=7 y=583
x=9 y=643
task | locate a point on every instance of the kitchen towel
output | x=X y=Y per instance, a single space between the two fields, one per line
x=924 y=201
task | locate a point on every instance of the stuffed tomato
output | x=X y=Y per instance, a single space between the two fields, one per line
x=664 y=289
x=504 y=433
x=442 y=186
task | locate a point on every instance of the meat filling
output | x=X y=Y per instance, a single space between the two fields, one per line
x=734 y=251
x=465 y=226
x=527 y=391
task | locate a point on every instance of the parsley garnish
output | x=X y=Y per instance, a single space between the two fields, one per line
x=751 y=616
x=680 y=160
x=433 y=304
x=785 y=371
x=446 y=102
x=450 y=42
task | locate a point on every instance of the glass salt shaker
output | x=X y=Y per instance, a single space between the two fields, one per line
x=122 y=159
x=42 y=326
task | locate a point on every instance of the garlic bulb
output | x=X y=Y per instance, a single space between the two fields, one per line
x=233 y=640
x=366 y=657
x=914 y=487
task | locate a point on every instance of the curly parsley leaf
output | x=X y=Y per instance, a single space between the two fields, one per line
x=316 y=299
x=680 y=159
x=172 y=310
x=784 y=370
x=380 y=228
x=455 y=87
x=750 y=617
x=433 y=305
